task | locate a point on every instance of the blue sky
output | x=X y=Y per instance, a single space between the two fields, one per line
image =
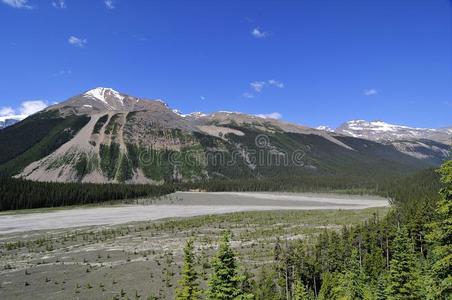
x=313 y=62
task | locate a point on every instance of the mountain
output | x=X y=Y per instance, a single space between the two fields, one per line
x=382 y=131
x=6 y=121
x=106 y=136
x=422 y=143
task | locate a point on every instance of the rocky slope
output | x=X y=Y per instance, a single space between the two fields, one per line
x=106 y=136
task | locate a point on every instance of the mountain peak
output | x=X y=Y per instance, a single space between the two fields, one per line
x=105 y=95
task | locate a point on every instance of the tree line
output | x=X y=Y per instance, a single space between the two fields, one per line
x=17 y=193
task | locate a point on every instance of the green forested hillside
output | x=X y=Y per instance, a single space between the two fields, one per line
x=35 y=138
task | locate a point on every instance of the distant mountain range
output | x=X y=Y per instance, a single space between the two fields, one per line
x=106 y=136
x=6 y=121
x=381 y=131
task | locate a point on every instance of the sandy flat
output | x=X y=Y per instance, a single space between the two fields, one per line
x=182 y=204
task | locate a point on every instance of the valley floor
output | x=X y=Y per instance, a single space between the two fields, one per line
x=180 y=204
x=142 y=259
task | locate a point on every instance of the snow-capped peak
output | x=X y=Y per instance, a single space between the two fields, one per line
x=197 y=114
x=379 y=130
x=101 y=93
x=325 y=128
x=378 y=125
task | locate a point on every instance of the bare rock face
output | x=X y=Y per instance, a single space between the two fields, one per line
x=103 y=135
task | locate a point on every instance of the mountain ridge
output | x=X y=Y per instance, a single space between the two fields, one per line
x=105 y=136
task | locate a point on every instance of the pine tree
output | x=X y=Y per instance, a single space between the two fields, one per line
x=326 y=290
x=300 y=291
x=403 y=281
x=380 y=293
x=441 y=237
x=225 y=281
x=188 y=286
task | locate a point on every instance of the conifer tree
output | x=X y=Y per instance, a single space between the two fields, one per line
x=188 y=286
x=326 y=290
x=403 y=281
x=300 y=291
x=224 y=283
x=441 y=236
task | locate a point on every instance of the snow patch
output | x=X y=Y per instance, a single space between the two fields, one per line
x=101 y=94
x=325 y=128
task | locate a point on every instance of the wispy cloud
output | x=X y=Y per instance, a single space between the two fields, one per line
x=6 y=111
x=109 y=4
x=18 y=3
x=59 y=4
x=257 y=86
x=371 y=92
x=63 y=73
x=276 y=83
x=202 y=98
x=140 y=38
x=259 y=34
x=78 y=42
x=247 y=95
x=25 y=109
x=32 y=106
x=273 y=115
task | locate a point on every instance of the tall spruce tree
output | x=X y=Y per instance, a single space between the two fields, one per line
x=404 y=278
x=188 y=286
x=225 y=281
x=441 y=237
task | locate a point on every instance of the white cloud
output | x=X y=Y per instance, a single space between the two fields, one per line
x=31 y=107
x=257 y=86
x=273 y=115
x=258 y=34
x=59 y=4
x=109 y=4
x=6 y=111
x=276 y=83
x=63 y=73
x=202 y=98
x=25 y=109
x=78 y=42
x=371 y=92
x=18 y=3
x=247 y=95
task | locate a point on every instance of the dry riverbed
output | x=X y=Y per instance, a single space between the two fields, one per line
x=182 y=204
x=134 y=251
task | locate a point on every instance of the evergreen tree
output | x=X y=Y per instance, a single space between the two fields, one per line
x=300 y=291
x=328 y=283
x=403 y=281
x=351 y=284
x=441 y=236
x=225 y=281
x=266 y=288
x=380 y=293
x=188 y=286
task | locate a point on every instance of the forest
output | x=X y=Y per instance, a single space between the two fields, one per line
x=406 y=255
x=23 y=194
